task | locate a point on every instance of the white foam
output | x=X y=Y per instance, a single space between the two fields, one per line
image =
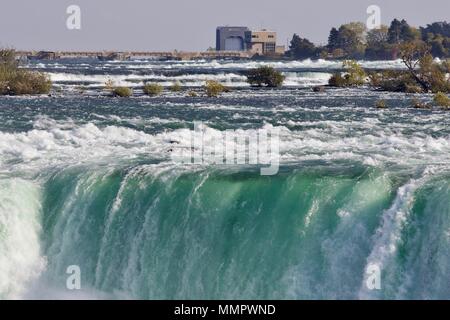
x=197 y=80
x=20 y=257
x=225 y=64
x=229 y=76
x=54 y=143
x=388 y=235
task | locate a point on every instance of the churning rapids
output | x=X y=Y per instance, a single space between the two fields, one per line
x=87 y=180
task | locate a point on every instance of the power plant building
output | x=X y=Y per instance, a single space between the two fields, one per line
x=231 y=38
x=261 y=42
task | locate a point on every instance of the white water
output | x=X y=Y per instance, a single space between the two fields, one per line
x=227 y=72
x=230 y=79
x=388 y=235
x=308 y=63
x=64 y=142
x=20 y=254
x=334 y=239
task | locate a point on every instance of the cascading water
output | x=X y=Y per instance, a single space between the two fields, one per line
x=89 y=181
x=20 y=228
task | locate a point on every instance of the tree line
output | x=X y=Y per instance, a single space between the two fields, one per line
x=354 y=41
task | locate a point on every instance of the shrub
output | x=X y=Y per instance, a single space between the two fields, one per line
x=412 y=88
x=433 y=74
x=337 y=80
x=395 y=81
x=124 y=92
x=356 y=76
x=265 y=76
x=153 y=89
x=15 y=81
x=28 y=82
x=192 y=94
x=8 y=57
x=442 y=100
x=428 y=74
x=3 y=88
x=214 y=88
x=176 y=87
x=109 y=85
x=7 y=74
x=381 y=104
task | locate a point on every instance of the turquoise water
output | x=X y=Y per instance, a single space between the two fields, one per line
x=88 y=180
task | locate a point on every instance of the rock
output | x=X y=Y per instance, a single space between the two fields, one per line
x=319 y=89
x=420 y=105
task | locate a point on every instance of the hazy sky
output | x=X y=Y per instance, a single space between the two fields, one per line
x=188 y=24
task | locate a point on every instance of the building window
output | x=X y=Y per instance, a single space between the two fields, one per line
x=269 y=47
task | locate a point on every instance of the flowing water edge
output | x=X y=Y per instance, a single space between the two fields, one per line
x=88 y=180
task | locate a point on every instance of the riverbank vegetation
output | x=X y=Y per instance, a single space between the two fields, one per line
x=422 y=73
x=17 y=81
x=354 y=41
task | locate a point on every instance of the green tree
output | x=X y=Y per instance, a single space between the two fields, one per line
x=333 y=40
x=430 y=75
x=437 y=47
x=436 y=28
x=301 y=48
x=437 y=36
x=412 y=53
x=350 y=38
x=377 y=37
x=401 y=31
x=378 y=47
x=394 y=32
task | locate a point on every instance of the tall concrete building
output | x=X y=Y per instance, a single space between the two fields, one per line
x=231 y=38
x=261 y=42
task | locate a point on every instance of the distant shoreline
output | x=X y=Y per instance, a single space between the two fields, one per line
x=167 y=56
